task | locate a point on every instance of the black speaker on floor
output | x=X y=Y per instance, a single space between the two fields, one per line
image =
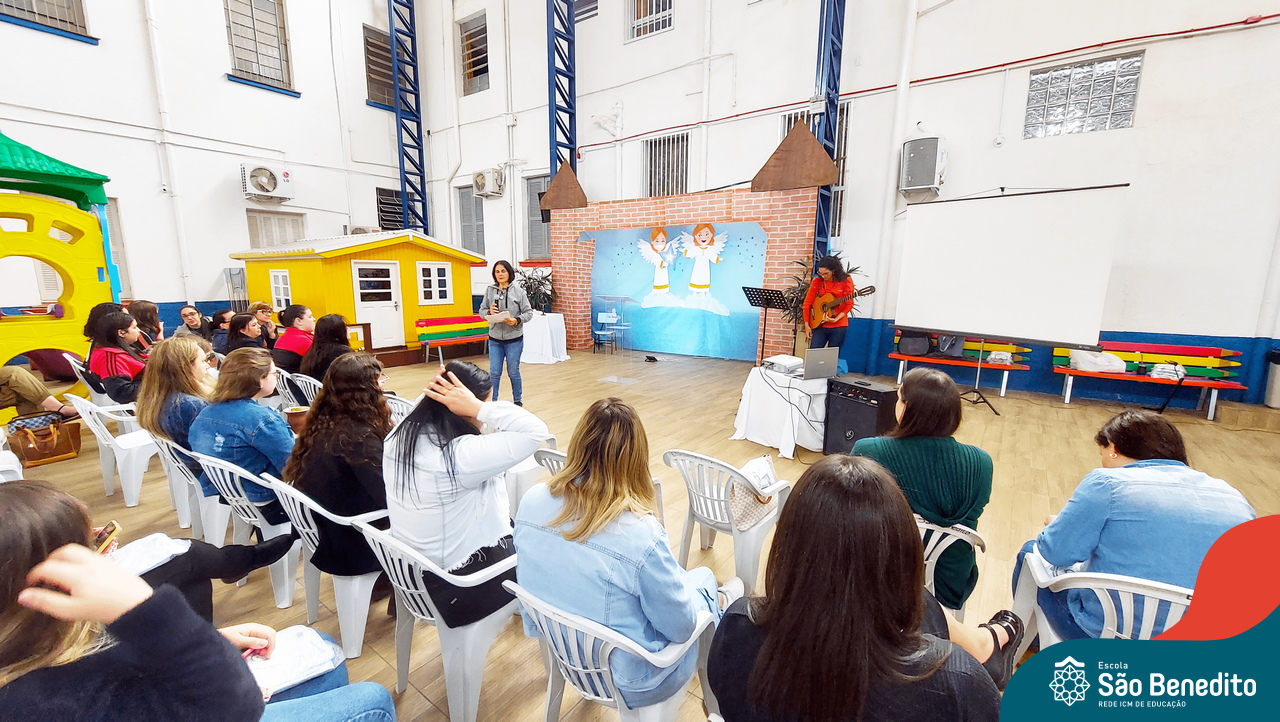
x=857 y=408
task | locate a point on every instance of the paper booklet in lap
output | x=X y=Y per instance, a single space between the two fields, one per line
x=300 y=654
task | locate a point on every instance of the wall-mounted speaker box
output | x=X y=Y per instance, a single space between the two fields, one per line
x=857 y=408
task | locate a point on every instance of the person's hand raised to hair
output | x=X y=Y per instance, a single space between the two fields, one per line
x=448 y=390
x=258 y=637
x=79 y=585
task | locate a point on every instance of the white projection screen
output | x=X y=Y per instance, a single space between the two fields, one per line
x=1031 y=266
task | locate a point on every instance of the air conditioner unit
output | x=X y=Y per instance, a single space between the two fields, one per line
x=266 y=183
x=361 y=230
x=488 y=183
x=924 y=160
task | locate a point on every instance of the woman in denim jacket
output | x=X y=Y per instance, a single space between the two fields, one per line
x=589 y=543
x=174 y=391
x=235 y=428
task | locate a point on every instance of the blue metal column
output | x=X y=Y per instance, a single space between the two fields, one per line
x=827 y=87
x=562 y=86
x=408 y=105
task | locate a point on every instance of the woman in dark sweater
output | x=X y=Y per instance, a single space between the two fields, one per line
x=245 y=332
x=945 y=481
x=845 y=630
x=338 y=460
x=330 y=342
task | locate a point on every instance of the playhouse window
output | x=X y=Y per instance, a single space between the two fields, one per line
x=61 y=14
x=281 y=294
x=259 y=41
x=435 y=284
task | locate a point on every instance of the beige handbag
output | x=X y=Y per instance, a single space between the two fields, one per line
x=746 y=506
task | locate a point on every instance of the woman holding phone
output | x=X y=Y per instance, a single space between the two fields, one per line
x=506 y=336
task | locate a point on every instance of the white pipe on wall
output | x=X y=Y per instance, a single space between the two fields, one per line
x=451 y=58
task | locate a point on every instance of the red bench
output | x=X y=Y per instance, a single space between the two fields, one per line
x=1208 y=368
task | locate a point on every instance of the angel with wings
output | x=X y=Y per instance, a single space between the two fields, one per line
x=659 y=253
x=704 y=247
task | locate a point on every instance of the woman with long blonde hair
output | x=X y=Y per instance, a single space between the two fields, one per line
x=589 y=543
x=174 y=390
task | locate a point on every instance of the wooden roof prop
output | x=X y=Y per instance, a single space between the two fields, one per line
x=23 y=168
x=800 y=161
x=345 y=245
x=564 y=191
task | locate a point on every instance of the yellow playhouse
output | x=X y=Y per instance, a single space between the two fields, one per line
x=389 y=280
x=67 y=238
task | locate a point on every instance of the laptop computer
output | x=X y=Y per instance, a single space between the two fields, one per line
x=821 y=363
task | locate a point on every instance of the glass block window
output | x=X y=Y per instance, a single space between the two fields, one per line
x=377 y=66
x=390 y=217
x=435 y=284
x=62 y=14
x=666 y=165
x=475 y=55
x=1083 y=97
x=649 y=16
x=259 y=42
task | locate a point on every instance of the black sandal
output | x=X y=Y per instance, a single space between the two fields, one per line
x=1000 y=664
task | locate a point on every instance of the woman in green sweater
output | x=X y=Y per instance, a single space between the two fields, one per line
x=946 y=482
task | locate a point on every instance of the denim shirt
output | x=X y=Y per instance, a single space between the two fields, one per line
x=246 y=434
x=1152 y=519
x=176 y=416
x=624 y=577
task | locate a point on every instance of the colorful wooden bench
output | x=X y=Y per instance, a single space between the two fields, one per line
x=1208 y=368
x=441 y=332
x=974 y=348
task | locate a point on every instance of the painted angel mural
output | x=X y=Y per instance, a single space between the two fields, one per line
x=659 y=253
x=705 y=248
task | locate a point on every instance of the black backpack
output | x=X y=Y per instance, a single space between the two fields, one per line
x=914 y=343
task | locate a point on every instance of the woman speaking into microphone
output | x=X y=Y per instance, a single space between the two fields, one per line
x=506 y=336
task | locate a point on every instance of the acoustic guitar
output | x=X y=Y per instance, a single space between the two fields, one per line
x=827 y=301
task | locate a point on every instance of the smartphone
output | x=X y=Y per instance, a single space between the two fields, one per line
x=103 y=537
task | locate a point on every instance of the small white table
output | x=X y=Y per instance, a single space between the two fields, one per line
x=544 y=339
x=782 y=411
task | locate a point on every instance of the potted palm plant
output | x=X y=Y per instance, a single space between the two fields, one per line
x=537 y=285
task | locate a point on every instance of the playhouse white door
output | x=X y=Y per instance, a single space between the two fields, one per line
x=377 y=286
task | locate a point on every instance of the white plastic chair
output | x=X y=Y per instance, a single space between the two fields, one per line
x=10 y=467
x=305 y=385
x=578 y=650
x=553 y=460
x=936 y=540
x=1037 y=574
x=79 y=368
x=183 y=487
x=351 y=593
x=400 y=408
x=464 y=649
x=129 y=452
x=708 y=481
x=209 y=516
x=284 y=397
x=230 y=479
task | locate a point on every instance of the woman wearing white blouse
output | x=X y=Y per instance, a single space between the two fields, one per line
x=445 y=491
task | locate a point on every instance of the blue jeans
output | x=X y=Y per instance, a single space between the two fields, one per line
x=1054 y=604
x=510 y=352
x=824 y=337
x=328 y=698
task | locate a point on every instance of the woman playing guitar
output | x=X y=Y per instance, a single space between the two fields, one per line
x=828 y=304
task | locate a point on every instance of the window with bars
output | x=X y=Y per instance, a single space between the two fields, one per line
x=377 y=67
x=259 y=41
x=583 y=9
x=281 y=294
x=475 y=55
x=1083 y=97
x=649 y=17
x=272 y=228
x=61 y=14
x=539 y=232
x=435 y=284
x=842 y=133
x=666 y=165
x=390 y=216
x=471 y=220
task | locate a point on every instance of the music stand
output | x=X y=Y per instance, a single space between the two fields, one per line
x=764 y=299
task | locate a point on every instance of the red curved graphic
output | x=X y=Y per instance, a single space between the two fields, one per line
x=1238 y=585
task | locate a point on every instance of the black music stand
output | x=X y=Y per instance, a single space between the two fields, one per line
x=764 y=299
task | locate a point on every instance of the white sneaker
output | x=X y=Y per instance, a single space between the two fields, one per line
x=731 y=591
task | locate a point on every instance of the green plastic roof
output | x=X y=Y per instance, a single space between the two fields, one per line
x=24 y=168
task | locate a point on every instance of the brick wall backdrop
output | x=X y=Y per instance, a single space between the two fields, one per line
x=787 y=218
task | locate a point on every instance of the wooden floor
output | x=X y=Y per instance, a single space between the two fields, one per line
x=1041 y=449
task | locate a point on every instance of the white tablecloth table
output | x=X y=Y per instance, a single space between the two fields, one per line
x=782 y=411
x=544 y=340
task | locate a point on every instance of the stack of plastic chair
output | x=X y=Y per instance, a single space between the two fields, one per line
x=578 y=650
x=351 y=594
x=129 y=452
x=464 y=649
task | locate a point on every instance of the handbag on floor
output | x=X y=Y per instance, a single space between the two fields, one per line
x=746 y=506
x=46 y=444
x=38 y=420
